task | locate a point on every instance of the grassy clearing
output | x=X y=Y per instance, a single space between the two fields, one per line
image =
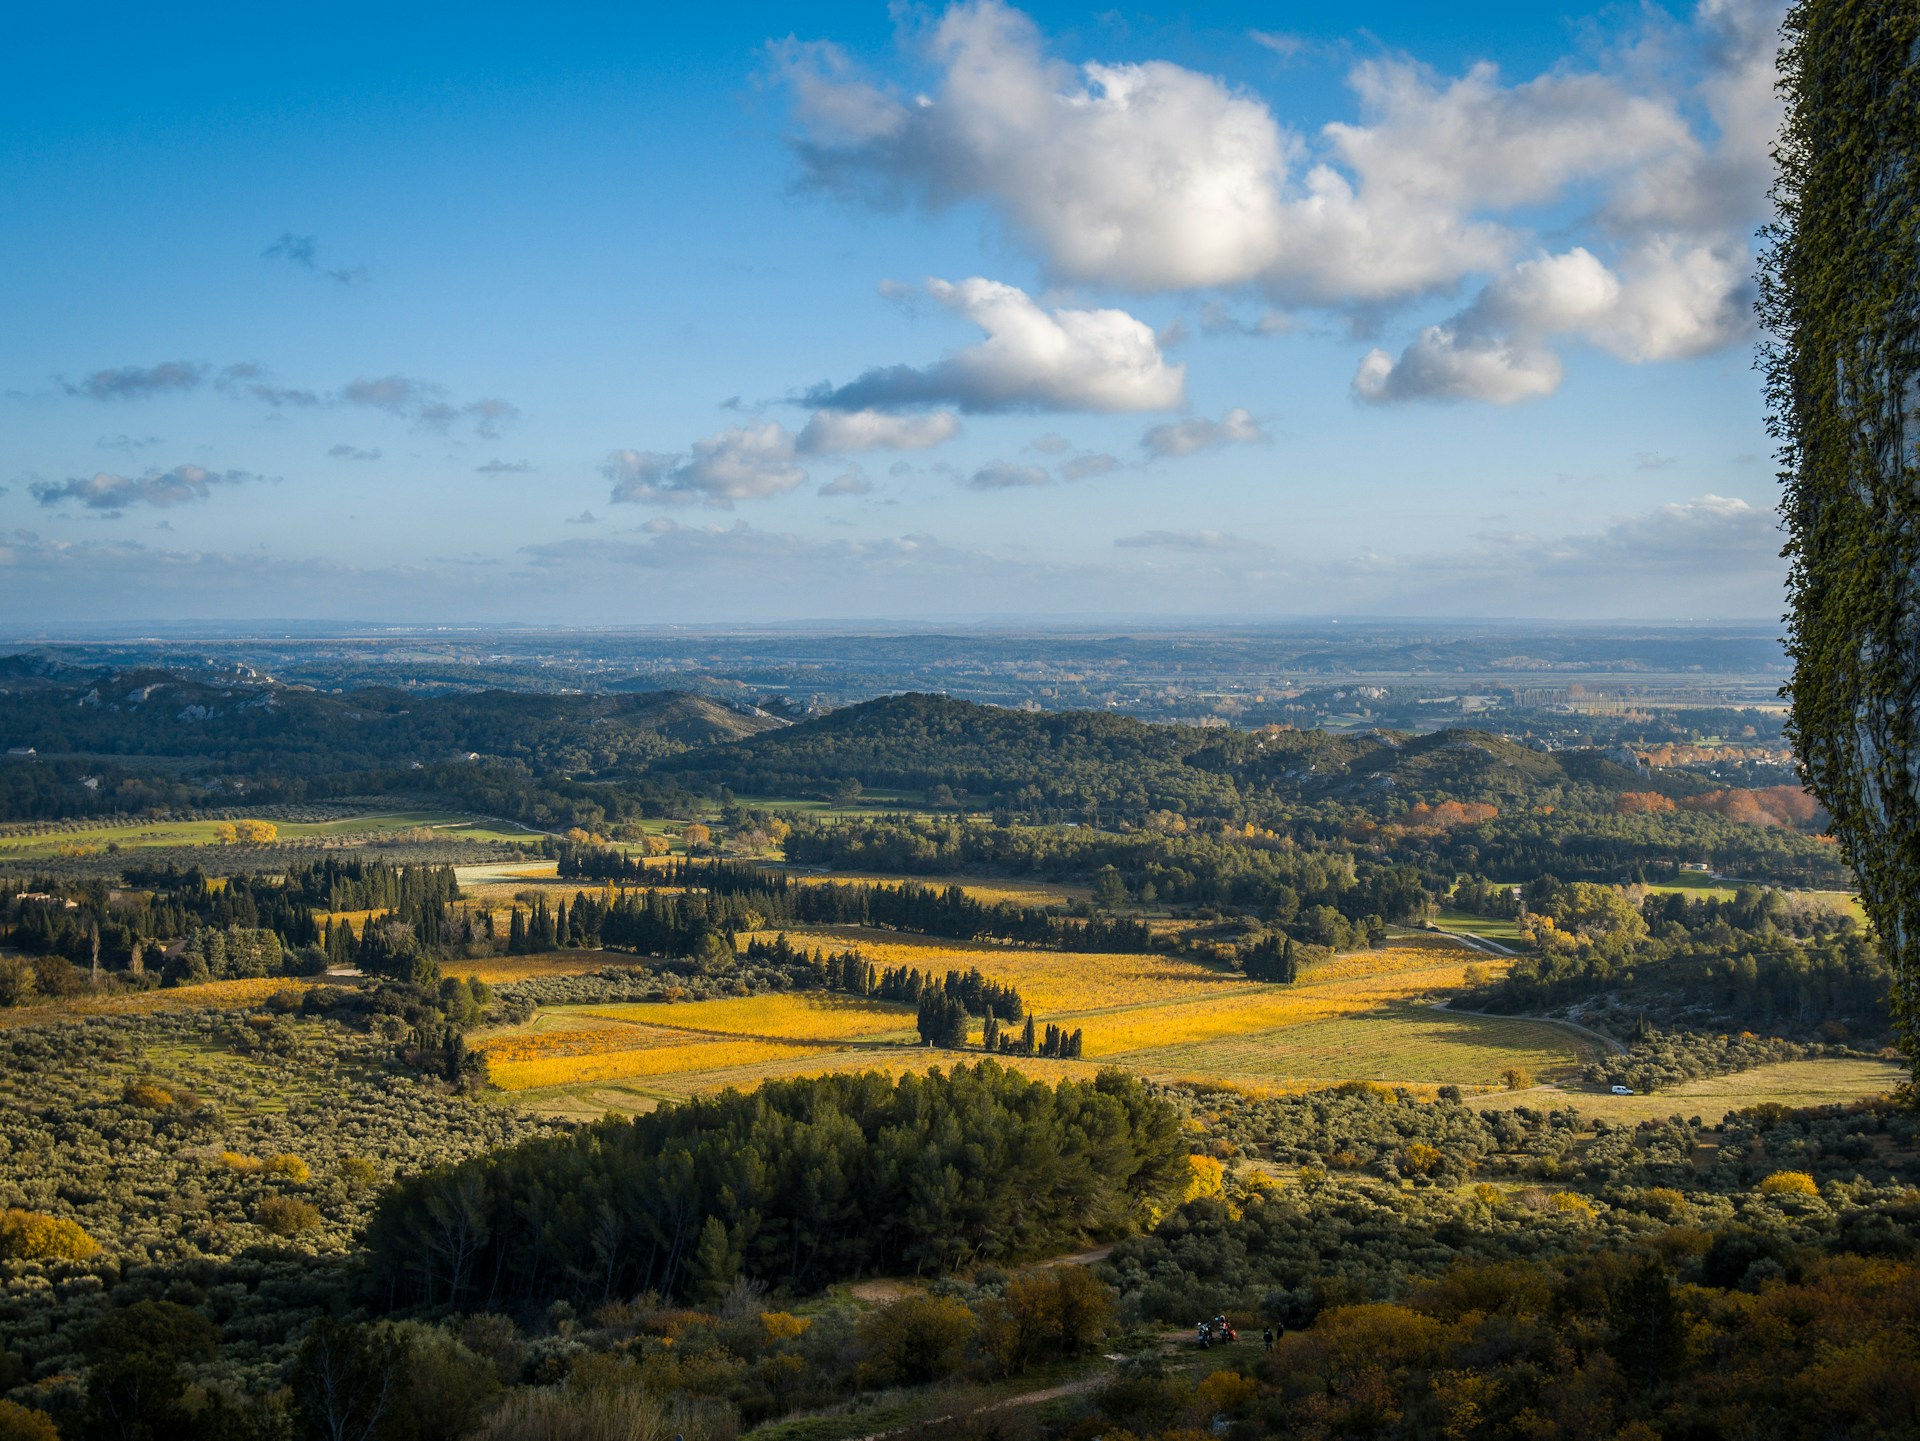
x=23 y=844
x=212 y=995
x=1503 y=929
x=988 y=891
x=1396 y=1043
x=1823 y=1082
x=496 y=970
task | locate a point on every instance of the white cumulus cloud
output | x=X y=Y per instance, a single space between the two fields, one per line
x=744 y=462
x=844 y=432
x=1032 y=359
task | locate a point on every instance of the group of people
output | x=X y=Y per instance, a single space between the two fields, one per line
x=1219 y=1332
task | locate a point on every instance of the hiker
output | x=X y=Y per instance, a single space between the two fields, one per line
x=1266 y=1338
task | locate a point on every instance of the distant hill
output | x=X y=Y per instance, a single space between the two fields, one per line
x=1064 y=759
x=246 y=723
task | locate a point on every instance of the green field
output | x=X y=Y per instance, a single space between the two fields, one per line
x=1399 y=1043
x=1703 y=887
x=1504 y=930
x=23 y=843
x=1824 y=1082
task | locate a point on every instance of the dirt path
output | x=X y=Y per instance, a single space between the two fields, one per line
x=1027 y=1398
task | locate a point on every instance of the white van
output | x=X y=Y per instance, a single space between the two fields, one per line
x=1623 y=1090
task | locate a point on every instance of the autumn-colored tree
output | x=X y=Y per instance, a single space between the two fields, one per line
x=36 y=1236
x=1641 y=803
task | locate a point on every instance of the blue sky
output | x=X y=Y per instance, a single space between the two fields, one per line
x=749 y=312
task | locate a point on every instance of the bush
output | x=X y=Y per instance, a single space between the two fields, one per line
x=1797 y=1184
x=561 y=1414
x=36 y=1236
x=147 y=1096
x=286 y=1216
x=23 y=1423
x=916 y=1339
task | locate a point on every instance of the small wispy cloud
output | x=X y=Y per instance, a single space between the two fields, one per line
x=1003 y=475
x=303 y=251
x=1085 y=467
x=851 y=481
x=1185 y=437
x=139 y=382
x=496 y=466
x=256 y=382
x=425 y=403
x=1215 y=541
x=107 y=491
x=351 y=452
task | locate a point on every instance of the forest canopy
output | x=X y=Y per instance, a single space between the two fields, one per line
x=797 y=1185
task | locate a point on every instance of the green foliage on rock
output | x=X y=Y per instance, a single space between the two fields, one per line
x=1841 y=295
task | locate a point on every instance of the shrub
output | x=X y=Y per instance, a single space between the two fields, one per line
x=1571 y=1203
x=1207 y=1179
x=36 y=1236
x=1516 y=1078
x=916 y=1339
x=783 y=1325
x=23 y=1423
x=1420 y=1159
x=286 y=1216
x=1797 y=1184
x=1224 y=1393
x=147 y=1096
x=292 y=1167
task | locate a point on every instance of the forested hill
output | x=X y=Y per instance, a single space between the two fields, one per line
x=246 y=724
x=1077 y=759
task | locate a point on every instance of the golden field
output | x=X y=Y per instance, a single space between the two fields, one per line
x=805 y=1016
x=1362 y=1015
x=210 y=995
x=580 y=1045
x=497 y=970
x=1051 y=982
x=987 y=892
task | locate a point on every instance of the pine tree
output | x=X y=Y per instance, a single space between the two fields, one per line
x=711 y=1271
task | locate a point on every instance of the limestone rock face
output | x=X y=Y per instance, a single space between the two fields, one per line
x=1840 y=292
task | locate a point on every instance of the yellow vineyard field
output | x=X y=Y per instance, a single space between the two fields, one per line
x=1352 y=1016
x=806 y=1016
x=681 y=1056
x=580 y=1045
x=1051 y=982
